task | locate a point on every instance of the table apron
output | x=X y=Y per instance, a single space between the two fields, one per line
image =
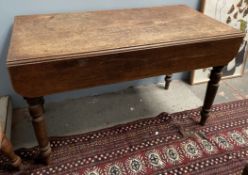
x=39 y=79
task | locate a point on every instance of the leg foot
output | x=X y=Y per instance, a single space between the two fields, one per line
x=37 y=113
x=212 y=89
x=167 y=80
x=7 y=149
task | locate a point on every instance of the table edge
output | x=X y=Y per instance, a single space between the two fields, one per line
x=36 y=60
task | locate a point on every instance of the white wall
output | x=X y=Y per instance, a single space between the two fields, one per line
x=11 y=8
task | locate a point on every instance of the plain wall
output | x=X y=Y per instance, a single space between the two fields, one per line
x=11 y=8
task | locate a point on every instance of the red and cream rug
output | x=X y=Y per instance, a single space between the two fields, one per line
x=166 y=144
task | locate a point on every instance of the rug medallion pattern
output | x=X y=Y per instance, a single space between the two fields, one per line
x=166 y=144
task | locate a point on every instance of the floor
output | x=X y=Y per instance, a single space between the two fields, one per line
x=92 y=113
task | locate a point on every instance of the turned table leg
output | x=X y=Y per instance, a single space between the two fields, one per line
x=42 y=102
x=34 y=101
x=212 y=89
x=7 y=149
x=167 y=80
x=36 y=111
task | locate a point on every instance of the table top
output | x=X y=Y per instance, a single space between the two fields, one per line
x=42 y=38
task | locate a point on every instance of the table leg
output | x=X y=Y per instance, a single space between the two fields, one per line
x=36 y=111
x=167 y=80
x=212 y=89
x=38 y=100
x=7 y=149
x=42 y=102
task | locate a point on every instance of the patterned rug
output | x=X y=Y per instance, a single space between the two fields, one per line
x=166 y=144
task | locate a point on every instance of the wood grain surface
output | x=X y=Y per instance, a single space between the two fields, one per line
x=61 y=52
x=68 y=35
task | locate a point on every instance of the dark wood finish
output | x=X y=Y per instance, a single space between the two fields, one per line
x=167 y=80
x=124 y=44
x=58 y=76
x=36 y=112
x=61 y=52
x=212 y=89
x=7 y=149
x=202 y=6
x=38 y=100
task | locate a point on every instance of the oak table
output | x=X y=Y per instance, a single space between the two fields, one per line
x=59 y=52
